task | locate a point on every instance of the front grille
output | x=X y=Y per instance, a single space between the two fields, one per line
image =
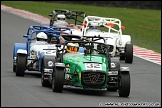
x=91 y=78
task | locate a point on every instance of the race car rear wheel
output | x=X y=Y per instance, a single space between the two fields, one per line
x=58 y=79
x=21 y=64
x=45 y=83
x=124 y=84
x=129 y=53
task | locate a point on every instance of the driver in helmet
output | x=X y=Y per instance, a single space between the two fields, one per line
x=72 y=47
x=41 y=38
x=94 y=26
x=61 y=21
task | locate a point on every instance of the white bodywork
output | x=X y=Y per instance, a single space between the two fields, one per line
x=112 y=32
x=21 y=51
x=76 y=31
x=38 y=47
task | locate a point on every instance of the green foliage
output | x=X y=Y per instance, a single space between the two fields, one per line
x=144 y=26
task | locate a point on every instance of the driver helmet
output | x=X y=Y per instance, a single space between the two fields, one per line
x=61 y=17
x=72 y=47
x=41 y=36
x=94 y=25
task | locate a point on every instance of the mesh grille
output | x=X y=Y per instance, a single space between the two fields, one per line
x=93 y=78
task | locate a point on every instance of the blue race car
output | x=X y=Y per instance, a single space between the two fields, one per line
x=30 y=55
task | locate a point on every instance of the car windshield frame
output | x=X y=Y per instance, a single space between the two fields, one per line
x=84 y=41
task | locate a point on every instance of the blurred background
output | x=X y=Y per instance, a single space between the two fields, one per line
x=124 y=4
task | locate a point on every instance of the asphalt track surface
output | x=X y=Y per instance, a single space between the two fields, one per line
x=27 y=91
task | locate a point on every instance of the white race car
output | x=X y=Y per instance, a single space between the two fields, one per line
x=111 y=29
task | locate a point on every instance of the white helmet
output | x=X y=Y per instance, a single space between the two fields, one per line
x=61 y=17
x=41 y=36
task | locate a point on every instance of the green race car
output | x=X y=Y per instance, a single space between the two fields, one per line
x=90 y=68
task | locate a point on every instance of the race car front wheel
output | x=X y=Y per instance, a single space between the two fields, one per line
x=21 y=64
x=124 y=84
x=58 y=79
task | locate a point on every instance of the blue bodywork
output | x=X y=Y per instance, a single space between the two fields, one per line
x=18 y=46
x=35 y=29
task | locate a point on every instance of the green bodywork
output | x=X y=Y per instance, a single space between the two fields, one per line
x=76 y=63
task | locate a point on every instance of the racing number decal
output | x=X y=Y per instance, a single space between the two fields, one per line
x=50 y=51
x=93 y=66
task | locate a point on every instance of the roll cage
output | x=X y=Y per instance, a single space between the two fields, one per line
x=50 y=31
x=87 y=44
x=76 y=15
x=112 y=24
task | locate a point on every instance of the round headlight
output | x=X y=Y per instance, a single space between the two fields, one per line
x=50 y=63
x=32 y=52
x=113 y=65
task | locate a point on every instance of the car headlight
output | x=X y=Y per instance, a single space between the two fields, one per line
x=50 y=63
x=32 y=52
x=113 y=65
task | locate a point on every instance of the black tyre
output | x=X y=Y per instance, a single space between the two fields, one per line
x=45 y=83
x=58 y=79
x=129 y=53
x=14 y=67
x=21 y=64
x=124 y=84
